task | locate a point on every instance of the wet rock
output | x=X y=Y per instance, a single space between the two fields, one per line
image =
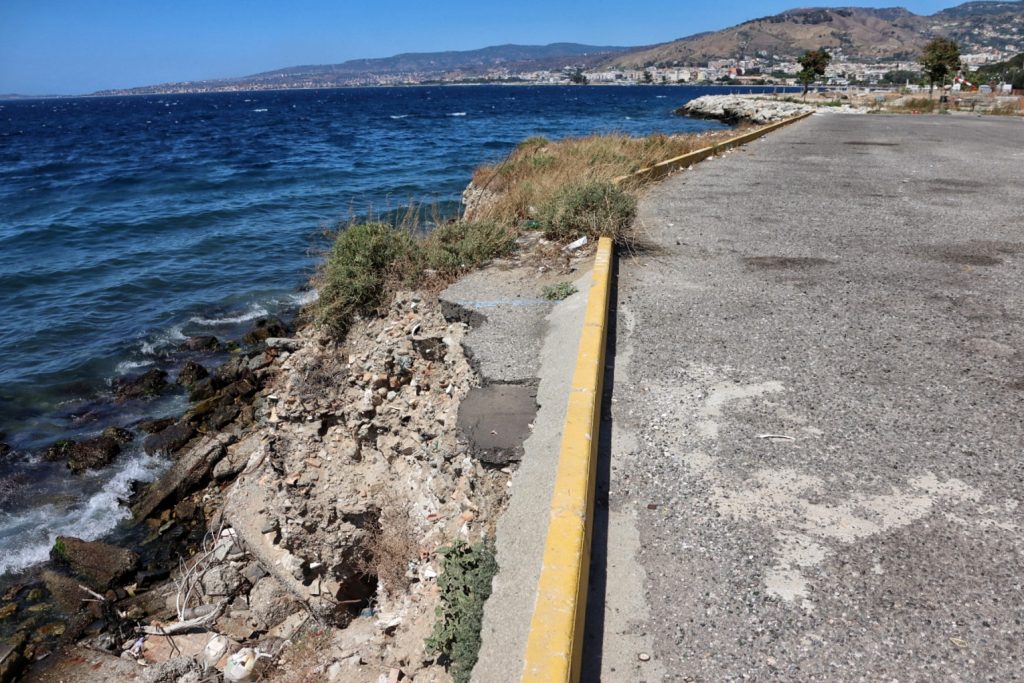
x=264 y=328
x=5 y=450
x=11 y=659
x=119 y=434
x=204 y=342
x=93 y=454
x=191 y=469
x=243 y=388
x=169 y=439
x=190 y=373
x=83 y=455
x=146 y=385
x=235 y=370
x=102 y=564
x=204 y=388
x=157 y=425
x=213 y=413
x=8 y=610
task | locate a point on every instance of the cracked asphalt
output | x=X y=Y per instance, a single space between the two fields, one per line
x=817 y=413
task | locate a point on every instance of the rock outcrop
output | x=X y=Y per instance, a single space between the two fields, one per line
x=736 y=108
x=758 y=109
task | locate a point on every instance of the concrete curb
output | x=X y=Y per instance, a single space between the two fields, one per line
x=554 y=648
x=555 y=645
x=663 y=168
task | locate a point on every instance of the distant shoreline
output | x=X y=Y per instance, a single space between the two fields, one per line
x=28 y=98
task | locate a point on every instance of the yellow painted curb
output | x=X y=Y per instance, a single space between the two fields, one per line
x=663 y=168
x=555 y=646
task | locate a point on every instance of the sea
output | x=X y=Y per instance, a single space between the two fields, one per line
x=128 y=224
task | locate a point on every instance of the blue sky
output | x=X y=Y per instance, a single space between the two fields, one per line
x=79 y=46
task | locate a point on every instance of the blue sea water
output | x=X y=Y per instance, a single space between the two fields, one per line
x=129 y=223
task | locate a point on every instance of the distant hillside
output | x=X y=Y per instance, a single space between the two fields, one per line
x=420 y=65
x=858 y=33
x=470 y=61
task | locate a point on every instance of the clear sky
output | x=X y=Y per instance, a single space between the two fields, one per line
x=80 y=46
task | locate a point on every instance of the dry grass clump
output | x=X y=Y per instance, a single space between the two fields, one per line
x=538 y=170
x=369 y=261
x=914 y=105
x=391 y=545
x=594 y=209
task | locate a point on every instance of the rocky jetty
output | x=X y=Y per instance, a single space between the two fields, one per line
x=737 y=108
x=761 y=109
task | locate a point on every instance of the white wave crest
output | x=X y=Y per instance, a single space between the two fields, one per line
x=126 y=366
x=27 y=536
x=259 y=110
x=161 y=341
x=304 y=298
x=457 y=113
x=255 y=311
x=398 y=116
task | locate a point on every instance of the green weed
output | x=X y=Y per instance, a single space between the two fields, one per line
x=465 y=585
x=559 y=291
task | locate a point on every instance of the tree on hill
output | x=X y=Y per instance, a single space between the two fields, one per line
x=939 y=58
x=814 y=63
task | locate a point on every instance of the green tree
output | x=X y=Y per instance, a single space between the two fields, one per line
x=939 y=58
x=648 y=77
x=814 y=63
x=578 y=77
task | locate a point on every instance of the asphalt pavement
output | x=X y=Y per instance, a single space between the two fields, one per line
x=816 y=439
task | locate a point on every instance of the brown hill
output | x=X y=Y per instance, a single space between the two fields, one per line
x=857 y=33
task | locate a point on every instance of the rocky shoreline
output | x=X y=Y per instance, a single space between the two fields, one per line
x=313 y=485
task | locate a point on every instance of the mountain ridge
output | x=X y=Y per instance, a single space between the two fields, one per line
x=853 y=33
x=859 y=33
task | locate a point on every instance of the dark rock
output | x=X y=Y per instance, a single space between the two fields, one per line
x=430 y=348
x=157 y=425
x=83 y=455
x=93 y=454
x=5 y=450
x=243 y=388
x=186 y=510
x=102 y=564
x=234 y=370
x=146 y=385
x=204 y=389
x=190 y=373
x=119 y=434
x=192 y=468
x=203 y=342
x=58 y=450
x=224 y=414
x=12 y=661
x=169 y=439
x=264 y=328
